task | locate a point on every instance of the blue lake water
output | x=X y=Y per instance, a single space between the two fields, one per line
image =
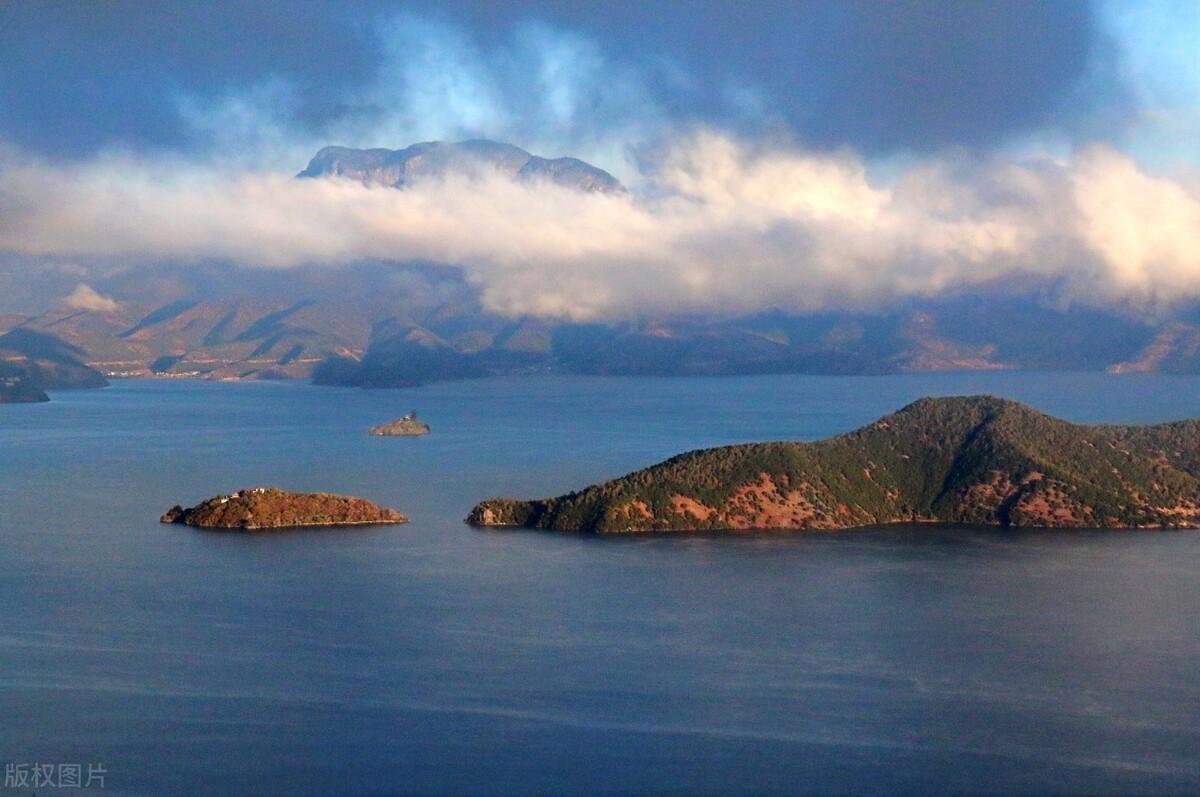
x=435 y=658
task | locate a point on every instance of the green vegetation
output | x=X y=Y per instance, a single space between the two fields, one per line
x=977 y=460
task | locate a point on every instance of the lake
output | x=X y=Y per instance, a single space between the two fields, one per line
x=434 y=658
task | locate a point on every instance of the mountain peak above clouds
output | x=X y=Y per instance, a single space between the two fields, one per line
x=434 y=159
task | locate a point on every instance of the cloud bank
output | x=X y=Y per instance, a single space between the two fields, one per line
x=717 y=222
x=717 y=226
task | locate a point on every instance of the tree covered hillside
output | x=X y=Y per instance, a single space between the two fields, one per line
x=977 y=460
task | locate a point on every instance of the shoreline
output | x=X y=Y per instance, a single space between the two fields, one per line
x=285 y=528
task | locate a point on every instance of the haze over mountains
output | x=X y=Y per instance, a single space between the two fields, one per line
x=384 y=324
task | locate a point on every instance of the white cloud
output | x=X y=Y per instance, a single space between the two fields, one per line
x=84 y=297
x=1144 y=229
x=719 y=226
x=715 y=223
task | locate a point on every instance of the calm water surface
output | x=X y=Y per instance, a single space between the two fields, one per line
x=434 y=658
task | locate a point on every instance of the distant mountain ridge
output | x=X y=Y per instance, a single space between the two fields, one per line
x=214 y=339
x=425 y=323
x=402 y=168
x=972 y=459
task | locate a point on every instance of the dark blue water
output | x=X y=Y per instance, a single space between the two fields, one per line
x=434 y=658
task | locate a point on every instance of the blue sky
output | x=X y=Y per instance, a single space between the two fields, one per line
x=880 y=77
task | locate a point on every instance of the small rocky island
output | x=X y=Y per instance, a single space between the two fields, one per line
x=408 y=426
x=272 y=508
x=977 y=460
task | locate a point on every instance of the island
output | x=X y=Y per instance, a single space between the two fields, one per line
x=973 y=460
x=272 y=508
x=408 y=426
x=18 y=390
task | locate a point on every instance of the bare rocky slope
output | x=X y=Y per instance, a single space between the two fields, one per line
x=969 y=460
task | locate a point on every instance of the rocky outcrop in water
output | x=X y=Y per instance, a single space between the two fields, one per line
x=272 y=508
x=408 y=426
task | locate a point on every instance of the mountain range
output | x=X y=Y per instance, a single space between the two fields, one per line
x=439 y=159
x=396 y=324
